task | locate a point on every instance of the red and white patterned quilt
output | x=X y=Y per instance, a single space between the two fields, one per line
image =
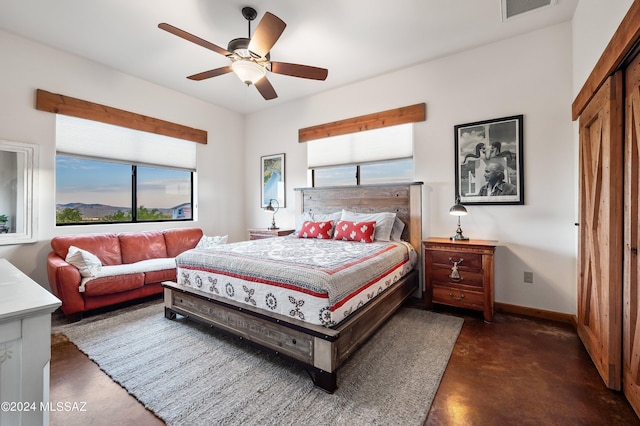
x=317 y=281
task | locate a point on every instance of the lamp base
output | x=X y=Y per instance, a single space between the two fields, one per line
x=459 y=236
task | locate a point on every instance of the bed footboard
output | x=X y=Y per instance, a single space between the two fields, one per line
x=319 y=349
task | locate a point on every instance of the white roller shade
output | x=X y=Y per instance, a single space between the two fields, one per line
x=387 y=143
x=89 y=138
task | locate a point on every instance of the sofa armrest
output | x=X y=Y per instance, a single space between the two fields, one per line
x=64 y=280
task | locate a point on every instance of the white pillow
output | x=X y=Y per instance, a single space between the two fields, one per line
x=87 y=263
x=208 y=242
x=384 y=222
x=396 y=231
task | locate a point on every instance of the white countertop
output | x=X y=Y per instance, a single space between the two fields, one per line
x=20 y=296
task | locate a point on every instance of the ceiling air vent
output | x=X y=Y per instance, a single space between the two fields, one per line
x=511 y=8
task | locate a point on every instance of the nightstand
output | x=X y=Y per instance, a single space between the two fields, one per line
x=259 y=233
x=459 y=273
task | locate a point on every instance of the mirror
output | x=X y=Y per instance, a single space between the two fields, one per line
x=17 y=170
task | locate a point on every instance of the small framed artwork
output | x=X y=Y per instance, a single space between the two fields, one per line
x=488 y=157
x=272 y=180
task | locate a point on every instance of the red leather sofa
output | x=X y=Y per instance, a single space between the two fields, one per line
x=115 y=249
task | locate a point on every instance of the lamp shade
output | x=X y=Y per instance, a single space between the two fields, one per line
x=248 y=71
x=457 y=210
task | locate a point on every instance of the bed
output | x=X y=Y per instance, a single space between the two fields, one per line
x=306 y=308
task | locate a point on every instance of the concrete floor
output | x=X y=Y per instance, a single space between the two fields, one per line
x=515 y=371
x=523 y=371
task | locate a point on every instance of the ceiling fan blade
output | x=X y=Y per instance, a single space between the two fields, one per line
x=266 y=89
x=211 y=73
x=194 y=39
x=266 y=34
x=301 y=71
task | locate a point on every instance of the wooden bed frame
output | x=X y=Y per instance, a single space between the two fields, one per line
x=320 y=350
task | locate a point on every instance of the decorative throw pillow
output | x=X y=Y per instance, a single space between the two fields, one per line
x=355 y=231
x=208 y=242
x=320 y=230
x=384 y=222
x=87 y=263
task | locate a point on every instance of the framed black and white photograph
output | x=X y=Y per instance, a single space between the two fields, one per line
x=272 y=180
x=488 y=159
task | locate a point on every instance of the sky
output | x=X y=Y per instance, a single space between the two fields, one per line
x=88 y=181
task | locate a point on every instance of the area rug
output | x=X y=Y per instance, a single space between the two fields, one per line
x=188 y=374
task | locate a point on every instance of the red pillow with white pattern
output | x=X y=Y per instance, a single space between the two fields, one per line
x=355 y=231
x=320 y=230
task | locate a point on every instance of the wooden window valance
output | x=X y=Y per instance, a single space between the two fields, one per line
x=392 y=117
x=61 y=104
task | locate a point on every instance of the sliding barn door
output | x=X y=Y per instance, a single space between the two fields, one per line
x=600 y=229
x=631 y=326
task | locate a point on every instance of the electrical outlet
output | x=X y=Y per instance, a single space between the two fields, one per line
x=528 y=277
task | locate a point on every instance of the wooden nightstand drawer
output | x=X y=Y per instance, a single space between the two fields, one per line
x=464 y=260
x=458 y=297
x=442 y=275
x=459 y=273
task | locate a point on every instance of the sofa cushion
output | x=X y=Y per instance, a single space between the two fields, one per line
x=105 y=246
x=113 y=284
x=153 y=277
x=137 y=246
x=181 y=239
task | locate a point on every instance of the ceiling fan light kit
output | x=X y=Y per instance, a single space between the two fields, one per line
x=250 y=57
x=248 y=71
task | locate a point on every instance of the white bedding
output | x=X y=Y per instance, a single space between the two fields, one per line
x=317 y=281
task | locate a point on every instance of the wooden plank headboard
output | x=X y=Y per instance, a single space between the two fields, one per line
x=404 y=199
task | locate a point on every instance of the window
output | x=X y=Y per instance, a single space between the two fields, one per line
x=91 y=191
x=109 y=174
x=364 y=174
x=156 y=187
x=387 y=172
x=382 y=155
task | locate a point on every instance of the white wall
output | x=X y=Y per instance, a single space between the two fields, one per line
x=528 y=75
x=27 y=66
x=593 y=25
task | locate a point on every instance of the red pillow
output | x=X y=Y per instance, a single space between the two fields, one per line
x=355 y=231
x=320 y=230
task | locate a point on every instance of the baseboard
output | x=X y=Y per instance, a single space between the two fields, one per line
x=536 y=313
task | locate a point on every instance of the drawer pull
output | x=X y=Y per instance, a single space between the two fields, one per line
x=455 y=275
x=451 y=295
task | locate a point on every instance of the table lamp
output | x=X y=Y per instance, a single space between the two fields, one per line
x=458 y=210
x=275 y=209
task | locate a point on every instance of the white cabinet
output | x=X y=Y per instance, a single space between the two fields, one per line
x=25 y=347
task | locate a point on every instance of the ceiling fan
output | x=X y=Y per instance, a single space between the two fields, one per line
x=250 y=57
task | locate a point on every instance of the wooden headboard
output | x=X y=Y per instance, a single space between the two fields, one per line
x=404 y=199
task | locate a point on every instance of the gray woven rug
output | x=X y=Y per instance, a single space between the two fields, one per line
x=189 y=375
